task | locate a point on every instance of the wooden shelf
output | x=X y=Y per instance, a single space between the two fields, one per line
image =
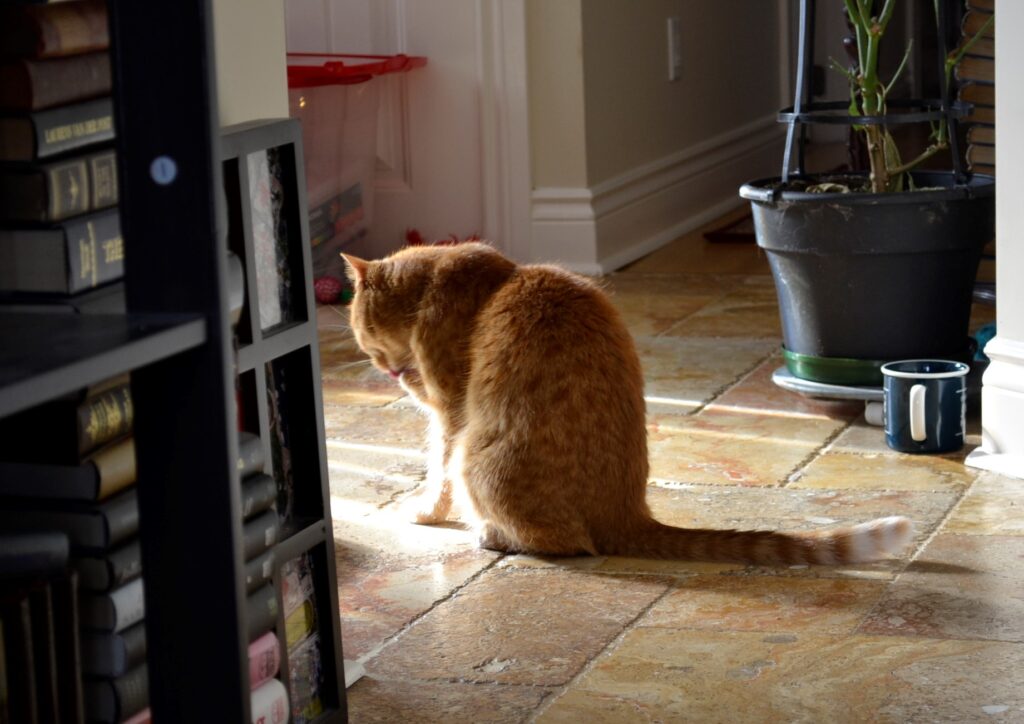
x=47 y=355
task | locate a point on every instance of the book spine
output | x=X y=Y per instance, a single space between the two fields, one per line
x=57 y=29
x=121 y=514
x=113 y=654
x=269 y=703
x=114 y=700
x=115 y=467
x=259 y=492
x=259 y=570
x=261 y=608
x=300 y=623
x=250 y=454
x=95 y=251
x=105 y=417
x=259 y=534
x=114 y=611
x=23 y=554
x=32 y=85
x=264 y=659
x=16 y=617
x=69 y=659
x=67 y=128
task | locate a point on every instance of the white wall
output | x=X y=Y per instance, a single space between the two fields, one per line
x=250 y=55
x=1003 y=392
x=660 y=157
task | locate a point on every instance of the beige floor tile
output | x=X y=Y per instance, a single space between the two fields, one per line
x=390 y=572
x=757 y=393
x=535 y=627
x=392 y=702
x=667 y=675
x=765 y=603
x=692 y=254
x=884 y=472
x=864 y=439
x=680 y=375
x=651 y=303
x=717 y=447
x=388 y=427
x=993 y=506
x=958 y=587
x=749 y=311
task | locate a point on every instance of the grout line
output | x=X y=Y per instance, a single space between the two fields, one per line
x=814 y=454
x=738 y=380
x=546 y=703
x=379 y=648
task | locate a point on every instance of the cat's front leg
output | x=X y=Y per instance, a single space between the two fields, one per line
x=433 y=504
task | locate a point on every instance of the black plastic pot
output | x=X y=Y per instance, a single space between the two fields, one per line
x=875 y=277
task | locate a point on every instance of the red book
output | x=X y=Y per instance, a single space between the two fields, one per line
x=53 y=30
x=264 y=659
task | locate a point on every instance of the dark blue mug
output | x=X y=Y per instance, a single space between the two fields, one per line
x=925 y=405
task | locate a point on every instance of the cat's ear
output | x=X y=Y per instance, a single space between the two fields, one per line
x=356 y=267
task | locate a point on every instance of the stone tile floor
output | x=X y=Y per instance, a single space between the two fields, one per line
x=445 y=632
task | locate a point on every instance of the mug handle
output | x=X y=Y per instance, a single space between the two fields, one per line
x=917 y=427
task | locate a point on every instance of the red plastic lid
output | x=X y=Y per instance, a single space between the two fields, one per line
x=344 y=70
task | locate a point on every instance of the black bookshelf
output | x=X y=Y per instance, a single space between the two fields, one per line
x=177 y=341
x=277 y=338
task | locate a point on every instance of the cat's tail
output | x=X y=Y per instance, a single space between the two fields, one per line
x=856 y=544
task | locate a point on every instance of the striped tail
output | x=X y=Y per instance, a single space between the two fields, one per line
x=857 y=544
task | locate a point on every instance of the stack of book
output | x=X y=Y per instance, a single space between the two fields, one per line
x=60 y=233
x=305 y=668
x=40 y=679
x=976 y=77
x=260 y=531
x=69 y=466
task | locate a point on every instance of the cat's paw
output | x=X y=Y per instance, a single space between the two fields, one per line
x=423 y=510
x=491 y=539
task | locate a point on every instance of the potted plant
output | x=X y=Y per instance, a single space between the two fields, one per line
x=873 y=266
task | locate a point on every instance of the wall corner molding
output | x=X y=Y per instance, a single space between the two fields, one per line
x=1002 y=400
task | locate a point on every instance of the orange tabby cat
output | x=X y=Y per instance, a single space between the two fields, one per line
x=535 y=395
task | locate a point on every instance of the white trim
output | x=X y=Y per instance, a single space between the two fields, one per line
x=582 y=228
x=1002 y=405
x=504 y=122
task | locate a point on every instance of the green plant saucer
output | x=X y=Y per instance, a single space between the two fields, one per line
x=834 y=370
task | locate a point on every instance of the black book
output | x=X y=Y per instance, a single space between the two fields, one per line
x=261 y=608
x=103 y=474
x=19 y=655
x=33 y=553
x=43 y=134
x=115 y=610
x=66 y=644
x=250 y=454
x=113 y=700
x=111 y=569
x=65 y=258
x=259 y=492
x=44 y=651
x=113 y=654
x=104 y=299
x=259 y=570
x=60 y=189
x=89 y=527
x=259 y=534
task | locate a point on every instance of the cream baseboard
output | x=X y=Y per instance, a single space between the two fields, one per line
x=1002 y=410
x=599 y=229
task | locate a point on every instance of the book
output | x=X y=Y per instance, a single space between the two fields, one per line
x=983 y=47
x=300 y=623
x=280 y=438
x=32 y=85
x=64 y=431
x=250 y=454
x=986 y=5
x=44 y=650
x=269 y=703
x=115 y=610
x=981 y=154
x=57 y=190
x=984 y=168
x=65 y=258
x=981 y=134
x=973 y=92
x=981 y=114
x=104 y=473
x=259 y=534
x=264 y=659
x=261 y=609
x=143 y=717
x=976 y=69
x=34 y=553
x=104 y=299
x=111 y=569
x=259 y=571
x=67 y=647
x=113 y=700
x=113 y=654
x=54 y=29
x=259 y=492
x=19 y=656
x=38 y=135
x=90 y=527
x=973 y=21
